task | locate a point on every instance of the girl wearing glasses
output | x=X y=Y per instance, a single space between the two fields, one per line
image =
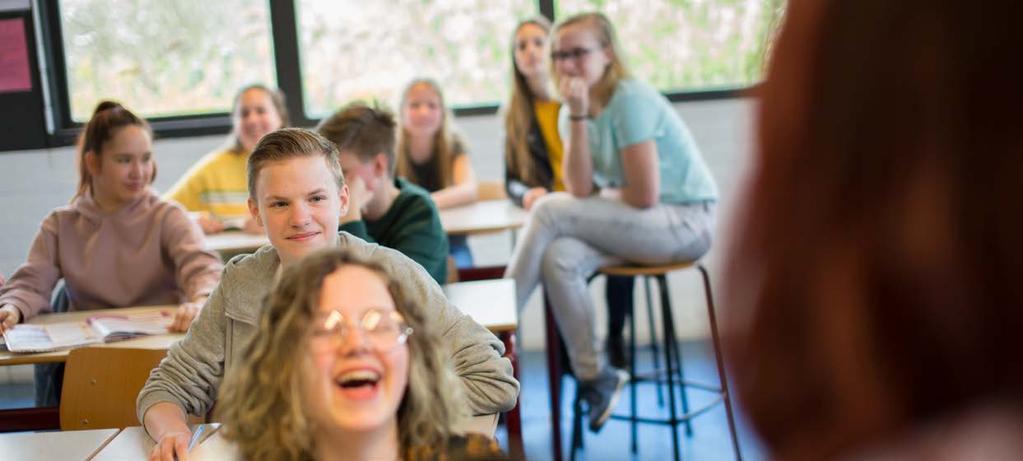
x=433 y=157
x=639 y=192
x=533 y=153
x=368 y=379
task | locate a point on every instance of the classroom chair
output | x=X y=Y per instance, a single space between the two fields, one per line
x=48 y=377
x=672 y=377
x=452 y=276
x=100 y=386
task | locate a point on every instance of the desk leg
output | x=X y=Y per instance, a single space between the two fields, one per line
x=513 y=417
x=554 y=372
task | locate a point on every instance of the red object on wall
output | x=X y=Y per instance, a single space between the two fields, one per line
x=15 y=74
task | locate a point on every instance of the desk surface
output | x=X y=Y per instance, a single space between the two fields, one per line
x=477 y=218
x=234 y=242
x=482 y=217
x=145 y=342
x=133 y=444
x=490 y=303
x=45 y=446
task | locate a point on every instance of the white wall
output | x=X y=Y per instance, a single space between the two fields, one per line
x=33 y=182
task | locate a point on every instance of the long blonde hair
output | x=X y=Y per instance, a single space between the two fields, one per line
x=445 y=142
x=616 y=70
x=261 y=399
x=519 y=114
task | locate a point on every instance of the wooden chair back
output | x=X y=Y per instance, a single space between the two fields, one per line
x=101 y=384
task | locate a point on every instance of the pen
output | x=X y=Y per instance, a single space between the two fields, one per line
x=196 y=437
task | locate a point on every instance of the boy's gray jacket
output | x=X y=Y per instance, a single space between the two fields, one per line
x=191 y=373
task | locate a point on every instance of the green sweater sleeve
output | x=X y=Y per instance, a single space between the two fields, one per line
x=412 y=226
x=420 y=236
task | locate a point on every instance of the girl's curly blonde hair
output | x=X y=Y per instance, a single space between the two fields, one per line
x=261 y=403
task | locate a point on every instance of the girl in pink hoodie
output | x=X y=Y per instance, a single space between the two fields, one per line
x=117 y=244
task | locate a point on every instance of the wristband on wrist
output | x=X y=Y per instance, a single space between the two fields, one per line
x=574 y=117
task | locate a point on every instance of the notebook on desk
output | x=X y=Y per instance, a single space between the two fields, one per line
x=95 y=330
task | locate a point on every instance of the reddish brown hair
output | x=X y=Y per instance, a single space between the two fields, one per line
x=875 y=281
x=108 y=117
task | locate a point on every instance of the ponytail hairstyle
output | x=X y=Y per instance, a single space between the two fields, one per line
x=107 y=118
x=616 y=71
x=446 y=145
x=519 y=115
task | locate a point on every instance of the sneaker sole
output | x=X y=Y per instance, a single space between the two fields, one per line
x=623 y=378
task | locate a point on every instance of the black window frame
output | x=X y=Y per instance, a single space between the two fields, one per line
x=285 y=43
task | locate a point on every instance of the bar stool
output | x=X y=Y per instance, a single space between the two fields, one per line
x=672 y=377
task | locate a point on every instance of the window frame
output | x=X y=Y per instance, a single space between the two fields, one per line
x=285 y=43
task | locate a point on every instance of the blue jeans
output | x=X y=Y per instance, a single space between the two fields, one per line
x=458 y=248
x=567 y=239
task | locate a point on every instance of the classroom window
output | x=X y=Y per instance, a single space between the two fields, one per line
x=371 y=49
x=679 y=45
x=164 y=58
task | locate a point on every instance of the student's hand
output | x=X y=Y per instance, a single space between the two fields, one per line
x=575 y=93
x=173 y=446
x=210 y=225
x=531 y=196
x=184 y=316
x=9 y=316
x=165 y=422
x=251 y=226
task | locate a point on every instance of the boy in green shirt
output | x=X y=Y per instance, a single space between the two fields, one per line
x=384 y=209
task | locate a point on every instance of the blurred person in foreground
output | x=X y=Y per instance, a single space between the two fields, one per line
x=347 y=365
x=876 y=308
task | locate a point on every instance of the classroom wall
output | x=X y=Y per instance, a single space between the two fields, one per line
x=33 y=182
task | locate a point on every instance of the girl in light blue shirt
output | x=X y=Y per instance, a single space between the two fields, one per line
x=638 y=192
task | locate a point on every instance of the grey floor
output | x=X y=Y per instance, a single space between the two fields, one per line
x=710 y=439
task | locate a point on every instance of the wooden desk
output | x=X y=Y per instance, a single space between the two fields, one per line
x=21 y=419
x=491 y=303
x=146 y=342
x=232 y=243
x=46 y=446
x=478 y=218
x=483 y=217
x=133 y=443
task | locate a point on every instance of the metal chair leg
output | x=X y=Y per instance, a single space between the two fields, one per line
x=633 y=422
x=577 y=426
x=726 y=396
x=653 y=337
x=670 y=362
x=669 y=321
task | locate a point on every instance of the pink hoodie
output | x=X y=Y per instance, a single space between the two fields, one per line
x=146 y=253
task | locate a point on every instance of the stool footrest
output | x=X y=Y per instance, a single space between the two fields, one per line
x=678 y=419
x=657 y=377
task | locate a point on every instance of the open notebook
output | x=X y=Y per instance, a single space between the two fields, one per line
x=98 y=329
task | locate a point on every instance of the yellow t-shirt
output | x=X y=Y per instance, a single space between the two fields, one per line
x=547 y=118
x=216 y=184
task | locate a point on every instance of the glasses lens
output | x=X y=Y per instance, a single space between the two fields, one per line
x=382 y=330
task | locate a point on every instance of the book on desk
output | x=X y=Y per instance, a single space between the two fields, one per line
x=94 y=330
